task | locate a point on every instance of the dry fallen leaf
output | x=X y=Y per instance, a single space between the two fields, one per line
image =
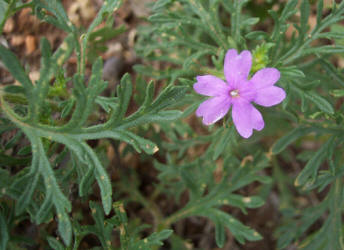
x=30 y=44
x=9 y=26
x=81 y=10
x=17 y=40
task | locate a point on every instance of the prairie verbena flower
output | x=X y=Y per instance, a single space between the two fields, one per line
x=239 y=92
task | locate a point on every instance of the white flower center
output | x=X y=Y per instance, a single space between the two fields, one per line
x=234 y=93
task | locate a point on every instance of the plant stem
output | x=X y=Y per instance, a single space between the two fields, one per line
x=148 y=204
x=175 y=217
x=8 y=13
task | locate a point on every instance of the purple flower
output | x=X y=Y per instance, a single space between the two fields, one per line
x=240 y=92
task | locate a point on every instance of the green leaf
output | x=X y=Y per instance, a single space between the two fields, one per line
x=67 y=107
x=95 y=87
x=55 y=244
x=320 y=6
x=288 y=10
x=45 y=210
x=250 y=21
x=220 y=233
x=5 y=181
x=210 y=22
x=63 y=53
x=239 y=230
x=291 y=72
x=166 y=115
x=256 y=35
x=104 y=34
x=107 y=103
x=139 y=142
x=86 y=182
x=194 y=57
x=122 y=222
x=326 y=49
x=26 y=196
x=242 y=202
x=332 y=71
x=309 y=172
x=160 y=3
x=222 y=143
x=289 y=138
x=102 y=179
x=305 y=10
x=192 y=182
x=156 y=238
x=49 y=177
x=149 y=95
x=54 y=195
x=42 y=85
x=64 y=225
x=332 y=35
x=124 y=91
x=108 y=7
x=337 y=92
x=13 y=66
x=14 y=89
x=59 y=19
x=4 y=234
x=85 y=98
x=320 y=102
x=3 y=10
x=86 y=154
x=102 y=228
x=170 y=95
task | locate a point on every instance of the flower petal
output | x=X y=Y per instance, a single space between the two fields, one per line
x=246 y=118
x=247 y=91
x=210 y=86
x=270 y=96
x=213 y=109
x=237 y=67
x=265 y=78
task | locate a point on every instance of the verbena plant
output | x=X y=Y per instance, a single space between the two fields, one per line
x=213 y=166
